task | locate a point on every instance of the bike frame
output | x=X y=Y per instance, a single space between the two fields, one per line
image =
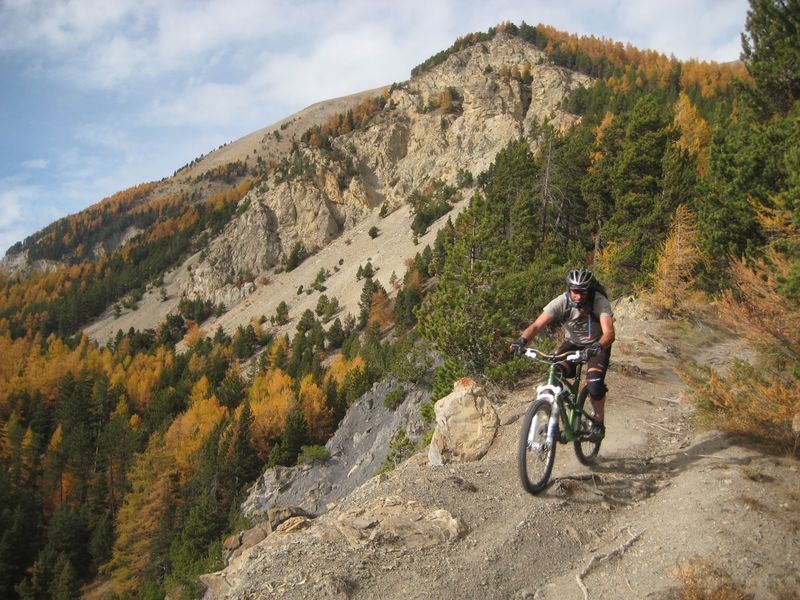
x=561 y=394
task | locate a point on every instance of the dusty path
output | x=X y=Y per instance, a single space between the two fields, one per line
x=659 y=495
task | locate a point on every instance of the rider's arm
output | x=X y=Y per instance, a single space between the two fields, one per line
x=540 y=323
x=607 y=327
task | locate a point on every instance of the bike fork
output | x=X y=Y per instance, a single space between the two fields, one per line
x=552 y=425
x=552 y=428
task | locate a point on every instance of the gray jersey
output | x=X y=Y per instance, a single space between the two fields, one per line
x=578 y=327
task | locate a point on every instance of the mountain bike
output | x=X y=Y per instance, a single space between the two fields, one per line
x=557 y=415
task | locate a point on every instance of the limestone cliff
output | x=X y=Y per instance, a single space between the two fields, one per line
x=455 y=117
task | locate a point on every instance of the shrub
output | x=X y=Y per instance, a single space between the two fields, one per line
x=281 y=314
x=313 y=454
x=426 y=439
x=296 y=256
x=704 y=579
x=429 y=207
x=373 y=232
x=464 y=178
x=757 y=400
x=322 y=275
x=427 y=412
x=394 y=398
x=400 y=448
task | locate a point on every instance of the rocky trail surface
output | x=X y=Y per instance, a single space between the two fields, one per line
x=663 y=499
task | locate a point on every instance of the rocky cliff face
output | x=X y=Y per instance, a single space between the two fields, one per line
x=455 y=117
x=358 y=450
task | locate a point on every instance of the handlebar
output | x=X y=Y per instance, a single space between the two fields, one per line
x=576 y=356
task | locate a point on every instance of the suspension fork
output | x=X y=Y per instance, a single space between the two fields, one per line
x=549 y=393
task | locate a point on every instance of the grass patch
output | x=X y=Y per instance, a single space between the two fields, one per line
x=756 y=475
x=705 y=580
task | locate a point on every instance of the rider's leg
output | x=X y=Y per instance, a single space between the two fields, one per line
x=567 y=369
x=596 y=368
x=597 y=391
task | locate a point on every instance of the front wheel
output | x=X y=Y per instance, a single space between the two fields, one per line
x=535 y=455
x=585 y=450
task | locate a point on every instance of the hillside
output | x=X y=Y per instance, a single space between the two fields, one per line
x=409 y=147
x=662 y=498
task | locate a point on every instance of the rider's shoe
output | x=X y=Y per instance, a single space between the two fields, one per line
x=597 y=432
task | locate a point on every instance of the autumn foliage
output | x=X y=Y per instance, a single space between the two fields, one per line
x=133 y=457
x=675 y=276
x=339 y=124
x=759 y=399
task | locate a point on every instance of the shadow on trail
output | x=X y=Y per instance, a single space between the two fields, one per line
x=678 y=461
x=627 y=479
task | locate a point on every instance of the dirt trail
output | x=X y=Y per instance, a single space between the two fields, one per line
x=659 y=495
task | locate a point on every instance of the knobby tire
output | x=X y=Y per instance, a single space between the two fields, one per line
x=585 y=450
x=535 y=466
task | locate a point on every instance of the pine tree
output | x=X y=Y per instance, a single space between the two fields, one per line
x=639 y=217
x=65 y=584
x=101 y=541
x=232 y=389
x=293 y=438
x=190 y=547
x=335 y=334
x=68 y=535
x=241 y=464
x=771 y=52
x=17 y=546
x=484 y=284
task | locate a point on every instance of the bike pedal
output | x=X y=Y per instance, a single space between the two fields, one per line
x=597 y=433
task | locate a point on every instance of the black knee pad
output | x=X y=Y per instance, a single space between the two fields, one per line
x=596 y=386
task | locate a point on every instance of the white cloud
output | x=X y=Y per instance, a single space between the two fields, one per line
x=12 y=200
x=192 y=73
x=101 y=136
x=205 y=105
x=686 y=28
x=16 y=218
x=105 y=44
x=10 y=236
x=336 y=61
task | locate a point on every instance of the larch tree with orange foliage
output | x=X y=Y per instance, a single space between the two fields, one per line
x=272 y=399
x=760 y=400
x=381 y=310
x=143 y=525
x=318 y=415
x=190 y=429
x=695 y=132
x=678 y=258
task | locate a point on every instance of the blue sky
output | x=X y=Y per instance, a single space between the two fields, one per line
x=99 y=95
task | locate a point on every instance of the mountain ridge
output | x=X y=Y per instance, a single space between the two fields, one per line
x=392 y=158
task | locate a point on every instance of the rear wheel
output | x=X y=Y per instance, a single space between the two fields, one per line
x=535 y=455
x=585 y=450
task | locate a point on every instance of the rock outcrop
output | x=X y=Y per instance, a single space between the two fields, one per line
x=358 y=449
x=453 y=118
x=391 y=524
x=466 y=423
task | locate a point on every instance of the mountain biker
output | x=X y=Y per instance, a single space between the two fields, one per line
x=588 y=322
